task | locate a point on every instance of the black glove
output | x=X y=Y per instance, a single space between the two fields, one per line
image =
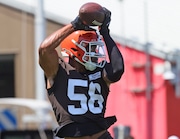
x=104 y=28
x=78 y=25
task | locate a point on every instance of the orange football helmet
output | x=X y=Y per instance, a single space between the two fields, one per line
x=86 y=47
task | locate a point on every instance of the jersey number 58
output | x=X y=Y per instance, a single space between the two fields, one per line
x=85 y=103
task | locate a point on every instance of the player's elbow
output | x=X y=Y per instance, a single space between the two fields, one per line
x=116 y=74
x=44 y=49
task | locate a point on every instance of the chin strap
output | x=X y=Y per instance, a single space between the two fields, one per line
x=88 y=66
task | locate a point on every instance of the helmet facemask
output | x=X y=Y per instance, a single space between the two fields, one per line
x=94 y=54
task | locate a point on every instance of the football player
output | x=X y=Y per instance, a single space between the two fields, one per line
x=78 y=89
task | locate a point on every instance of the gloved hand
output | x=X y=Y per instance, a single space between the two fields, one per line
x=78 y=25
x=104 y=28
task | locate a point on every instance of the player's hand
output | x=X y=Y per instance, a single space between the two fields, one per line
x=78 y=25
x=104 y=28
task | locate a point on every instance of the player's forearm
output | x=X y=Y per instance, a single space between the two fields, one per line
x=52 y=41
x=116 y=66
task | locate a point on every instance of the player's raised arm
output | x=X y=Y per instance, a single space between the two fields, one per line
x=114 y=69
x=48 y=57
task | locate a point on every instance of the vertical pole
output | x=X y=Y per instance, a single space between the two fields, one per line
x=39 y=74
x=148 y=75
x=147 y=45
x=39 y=36
x=177 y=79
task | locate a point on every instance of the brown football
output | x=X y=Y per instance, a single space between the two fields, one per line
x=91 y=14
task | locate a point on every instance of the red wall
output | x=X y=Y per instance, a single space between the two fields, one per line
x=173 y=111
x=148 y=118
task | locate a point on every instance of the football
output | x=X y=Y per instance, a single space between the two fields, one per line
x=92 y=14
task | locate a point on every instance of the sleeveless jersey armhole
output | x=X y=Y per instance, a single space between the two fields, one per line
x=63 y=66
x=51 y=89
